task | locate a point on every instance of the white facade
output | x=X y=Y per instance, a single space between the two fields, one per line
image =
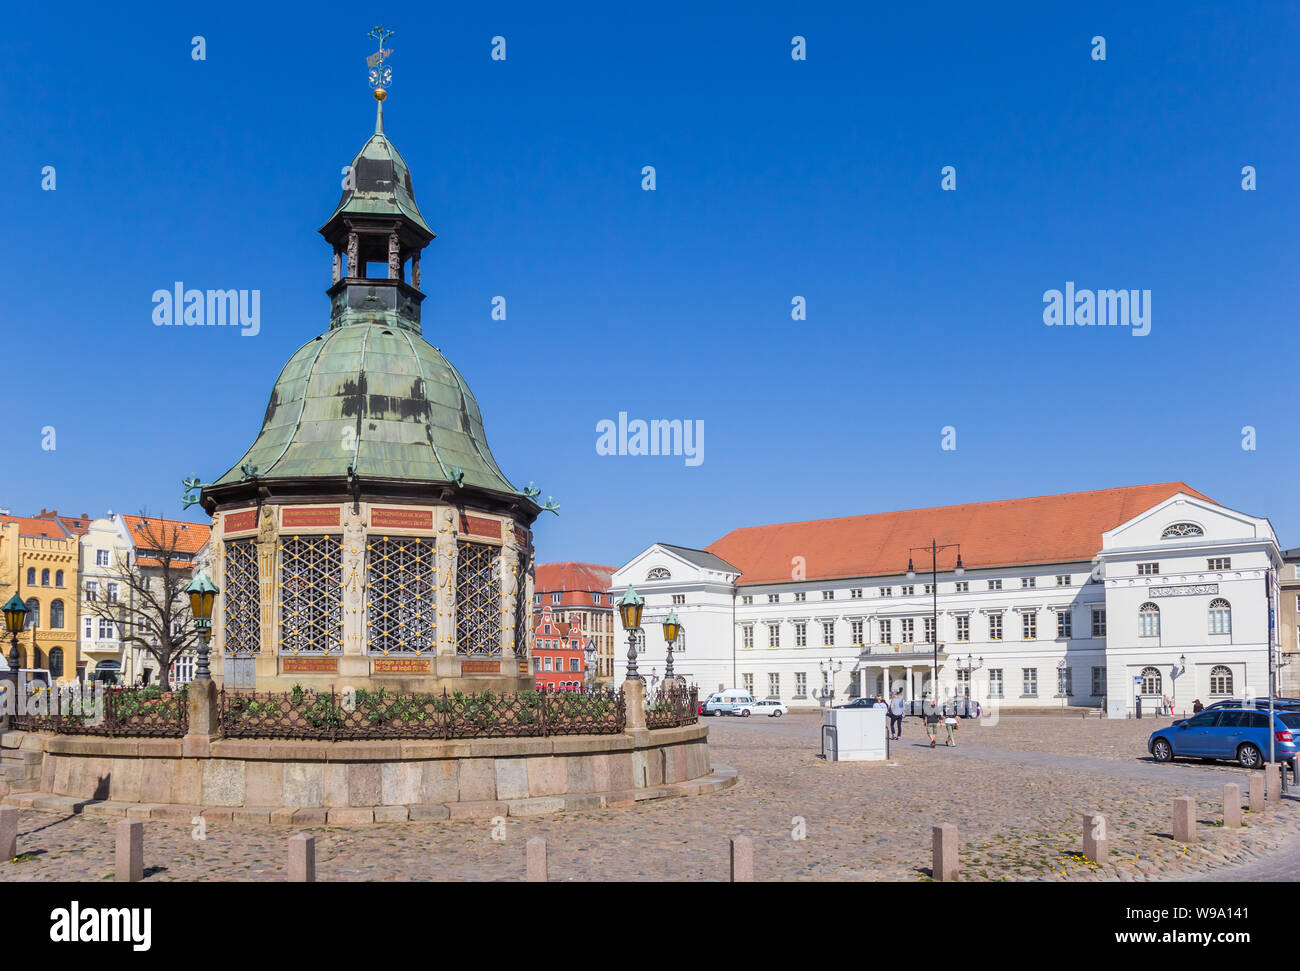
x=1036 y=636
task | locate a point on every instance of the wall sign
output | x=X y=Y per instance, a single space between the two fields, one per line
x=1184 y=590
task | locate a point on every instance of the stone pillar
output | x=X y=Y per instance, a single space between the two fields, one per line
x=509 y=594
x=302 y=858
x=1273 y=782
x=415 y=270
x=354 y=251
x=944 y=846
x=1184 y=820
x=1096 y=841
x=742 y=860
x=338 y=266
x=202 y=700
x=129 y=853
x=1256 y=794
x=634 y=697
x=447 y=664
x=266 y=665
x=394 y=257
x=1231 y=806
x=535 y=859
x=354 y=663
x=8 y=832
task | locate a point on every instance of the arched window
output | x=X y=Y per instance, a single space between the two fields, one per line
x=45 y=578
x=33 y=614
x=58 y=578
x=1220 y=618
x=1150 y=681
x=659 y=573
x=1220 y=680
x=56 y=615
x=56 y=661
x=31 y=576
x=1148 y=620
x=1182 y=529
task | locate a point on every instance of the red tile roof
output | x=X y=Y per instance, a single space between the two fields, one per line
x=38 y=527
x=576 y=582
x=79 y=525
x=190 y=536
x=1044 y=529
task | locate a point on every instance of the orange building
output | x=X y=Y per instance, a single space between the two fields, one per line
x=39 y=557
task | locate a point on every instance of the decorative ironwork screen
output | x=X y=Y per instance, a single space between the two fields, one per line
x=311 y=595
x=523 y=604
x=478 y=600
x=243 y=597
x=401 y=598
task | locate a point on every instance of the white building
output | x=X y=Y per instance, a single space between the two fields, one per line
x=1062 y=600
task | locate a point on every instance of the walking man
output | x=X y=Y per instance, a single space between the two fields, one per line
x=896 y=708
x=932 y=720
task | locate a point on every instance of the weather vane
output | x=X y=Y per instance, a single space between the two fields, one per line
x=380 y=76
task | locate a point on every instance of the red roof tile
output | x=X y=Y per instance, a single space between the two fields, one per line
x=190 y=536
x=1044 y=529
x=35 y=526
x=576 y=582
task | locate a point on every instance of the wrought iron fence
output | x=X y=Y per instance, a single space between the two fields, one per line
x=126 y=712
x=366 y=714
x=673 y=706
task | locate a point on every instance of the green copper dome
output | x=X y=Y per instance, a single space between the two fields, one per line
x=378 y=401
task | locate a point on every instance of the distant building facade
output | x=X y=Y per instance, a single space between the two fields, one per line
x=559 y=663
x=578 y=593
x=39 y=557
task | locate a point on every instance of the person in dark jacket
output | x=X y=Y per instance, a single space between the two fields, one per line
x=932 y=719
x=1197 y=707
x=896 y=708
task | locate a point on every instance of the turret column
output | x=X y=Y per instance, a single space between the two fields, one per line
x=447 y=663
x=267 y=663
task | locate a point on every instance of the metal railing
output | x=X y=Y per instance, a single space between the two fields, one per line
x=126 y=712
x=673 y=706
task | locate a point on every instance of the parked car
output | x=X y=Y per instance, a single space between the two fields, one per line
x=964 y=708
x=773 y=709
x=1240 y=734
x=726 y=702
x=859 y=703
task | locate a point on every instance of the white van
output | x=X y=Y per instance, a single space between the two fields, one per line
x=727 y=702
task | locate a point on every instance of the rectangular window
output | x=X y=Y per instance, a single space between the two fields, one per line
x=963 y=628
x=573 y=665
x=182 y=670
x=595 y=598
x=800 y=634
x=929 y=589
x=1098 y=621
x=747 y=600
x=92 y=590
x=908 y=629
x=1148 y=569
x=1098 y=682
x=537 y=598
x=555 y=598
x=747 y=682
x=547 y=663
x=747 y=635
x=828 y=633
x=1030 y=680
x=828 y=594
x=995 y=627
x=1220 y=563
x=907 y=590
x=101 y=557
x=855 y=628
x=679 y=599
x=773 y=598
x=1064 y=580
x=1029 y=625
x=929 y=630
x=855 y=593
x=801 y=684
x=1027 y=582
x=995 y=682
x=1064 y=624
x=88 y=628
x=963 y=586
x=773 y=635
x=1064 y=686
x=886 y=632
x=105 y=629
x=800 y=597
x=774 y=686
x=889 y=591
x=995 y=584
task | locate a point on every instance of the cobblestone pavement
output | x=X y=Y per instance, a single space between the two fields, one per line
x=1016 y=805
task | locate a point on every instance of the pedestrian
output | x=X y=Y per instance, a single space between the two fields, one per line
x=1197 y=707
x=896 y=708
x=932 y=721
x=880 y=703
x=952 y=723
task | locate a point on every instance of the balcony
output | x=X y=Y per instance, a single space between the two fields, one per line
x=917 y=648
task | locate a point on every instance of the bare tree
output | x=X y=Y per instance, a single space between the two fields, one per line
x=152 y=609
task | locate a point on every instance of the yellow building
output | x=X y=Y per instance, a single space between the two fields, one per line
x=39 y=558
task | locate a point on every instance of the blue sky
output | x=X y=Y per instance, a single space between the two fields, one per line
x=775 y=178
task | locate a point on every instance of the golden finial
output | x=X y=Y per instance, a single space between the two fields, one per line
x=380 y=76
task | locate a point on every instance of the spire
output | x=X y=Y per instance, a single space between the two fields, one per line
x=379 y=116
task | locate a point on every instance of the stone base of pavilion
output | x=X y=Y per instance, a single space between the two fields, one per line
x=347 y=783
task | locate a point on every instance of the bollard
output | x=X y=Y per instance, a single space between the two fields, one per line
x=535 y=860
x=742 y=860
x=944 y=842
x=129 y=855
x=1231 y=806
x=8 y=832
x=302 y=858
x=1273 y=782
x=1096 y=841
x=1185 y=819
x=1256 y=794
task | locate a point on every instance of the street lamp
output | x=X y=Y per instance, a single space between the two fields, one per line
x=672 y=628
x=629 y=610
x=202 y=593
x=831 y=668
x=967 y=667
x=933 y=550
x=15 y=616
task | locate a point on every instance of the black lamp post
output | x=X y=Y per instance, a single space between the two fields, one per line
x=629 y=610
x=672 y=629
x=202 y=593
x=15 y=617
x=934 y=549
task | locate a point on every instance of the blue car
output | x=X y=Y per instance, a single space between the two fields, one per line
x=1239 y=734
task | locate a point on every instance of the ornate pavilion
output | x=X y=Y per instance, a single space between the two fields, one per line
x=368 y=537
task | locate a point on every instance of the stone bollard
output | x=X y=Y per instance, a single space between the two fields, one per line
x=1231 y=806
x=1185 y=819
x=742 y=860
x=634 y=701
x=302 y=858
x=944 y=845
x=1256 y=793
x=8 y=832
x=1273 y=782
x=129 y=855
x=535 y=860
x=1096 y=841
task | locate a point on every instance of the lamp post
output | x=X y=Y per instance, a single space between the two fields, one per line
x=830 y=668
x=934 y=549
x=672 y=629
x=15 y=616
x=202 y=593
x=967 y=667
x=629 y=610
